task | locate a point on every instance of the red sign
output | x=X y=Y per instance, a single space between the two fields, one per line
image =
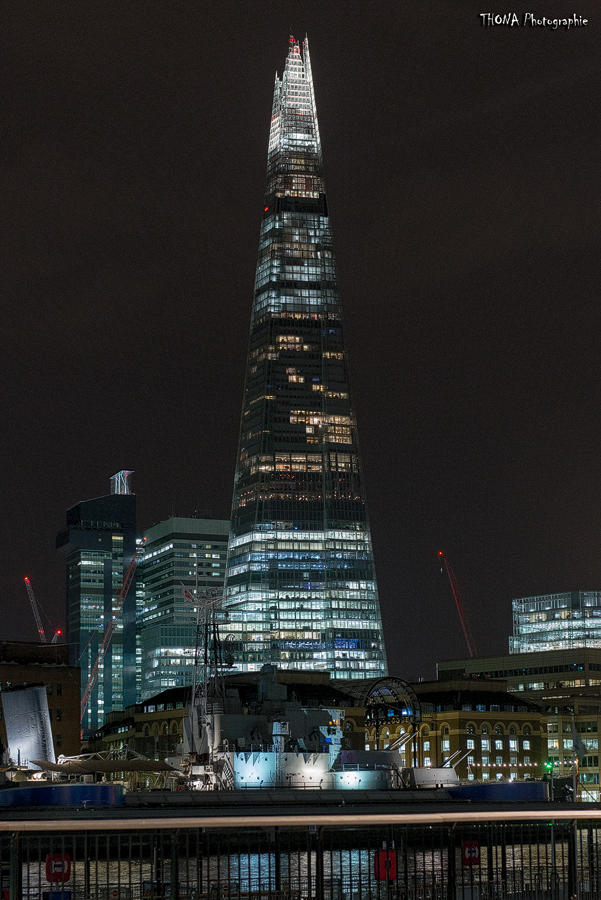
x=58 y=867
x=385 y=865
x=470 y=853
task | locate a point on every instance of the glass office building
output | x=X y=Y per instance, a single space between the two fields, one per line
x=180 y=555
x=99 y=542
x=301 y=586
x=556 y=622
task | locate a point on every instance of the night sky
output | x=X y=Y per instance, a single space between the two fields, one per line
x=462 y=165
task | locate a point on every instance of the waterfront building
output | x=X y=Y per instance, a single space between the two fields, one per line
x=556 y=622
x=99 y=542
x=180 y=554
x=487 y=733
x=566 y=684
x=301 y=583
x=31 y=664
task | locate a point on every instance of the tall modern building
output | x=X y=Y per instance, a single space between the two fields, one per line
x=301 y=584
x=99 y=543
x=181 y=554
x=556 y=622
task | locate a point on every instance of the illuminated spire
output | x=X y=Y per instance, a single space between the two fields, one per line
x=293 y=118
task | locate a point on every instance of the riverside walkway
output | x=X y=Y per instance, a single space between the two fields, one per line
x=301 y=845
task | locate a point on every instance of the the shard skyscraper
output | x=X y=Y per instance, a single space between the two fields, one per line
x=301 y=586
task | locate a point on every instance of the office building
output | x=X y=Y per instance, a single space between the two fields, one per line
x=99 y=542
x=180 y=554
x=567 y=686
x=301 y=583
x=556 y=622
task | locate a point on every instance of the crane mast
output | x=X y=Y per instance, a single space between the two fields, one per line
x=108 y=634
x=471 y=647
x=36 y=610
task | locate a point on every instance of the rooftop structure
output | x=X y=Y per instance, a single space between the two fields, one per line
x=301 y=584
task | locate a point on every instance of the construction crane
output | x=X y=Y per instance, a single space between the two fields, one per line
x=108 y=634
x=36 y=610
x=38 y=619
x=471 y=647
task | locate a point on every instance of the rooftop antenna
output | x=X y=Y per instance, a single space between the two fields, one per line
x=120 y=483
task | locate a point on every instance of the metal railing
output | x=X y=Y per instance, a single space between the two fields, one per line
x=494 y=860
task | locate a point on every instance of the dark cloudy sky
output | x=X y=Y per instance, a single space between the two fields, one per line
x=462 y=165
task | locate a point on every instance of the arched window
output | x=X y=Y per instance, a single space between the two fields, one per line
x=512 y=729
x=484 y=729
x=526 y=729
x=471 y=729
x=146 y=731
x=445 y=730
x=165 y=728
x=499 y=729
x=426 y=731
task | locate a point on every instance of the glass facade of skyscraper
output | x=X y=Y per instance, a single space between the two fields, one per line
x=556 y=622
x=180 y=554
x=99 y=543
x=301 y=585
